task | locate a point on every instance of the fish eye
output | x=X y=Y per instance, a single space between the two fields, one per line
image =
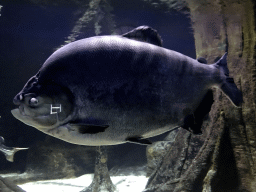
x=21 y=97
x=33 y=101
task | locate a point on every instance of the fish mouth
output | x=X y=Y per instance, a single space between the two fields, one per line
x=22 y=111
x=19 y=113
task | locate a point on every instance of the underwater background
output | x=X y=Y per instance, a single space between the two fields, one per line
x=32 y=30
x=222 y=159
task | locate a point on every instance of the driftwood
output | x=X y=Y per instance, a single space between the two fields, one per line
x=225 y=161
x=101 y=180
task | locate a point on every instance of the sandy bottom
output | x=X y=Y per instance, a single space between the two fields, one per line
x=122 y=183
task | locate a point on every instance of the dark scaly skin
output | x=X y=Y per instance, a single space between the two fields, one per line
x=136 y=88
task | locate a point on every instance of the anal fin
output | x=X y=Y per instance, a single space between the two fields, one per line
x=193 y=122
x=191 y=125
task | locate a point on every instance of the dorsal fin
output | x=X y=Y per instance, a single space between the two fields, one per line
x=145 y=34
x=202 y=60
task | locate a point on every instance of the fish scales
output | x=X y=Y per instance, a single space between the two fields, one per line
x=109 y=90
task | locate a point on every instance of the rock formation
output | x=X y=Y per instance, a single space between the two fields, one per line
x=7 y=185
x=225 y=160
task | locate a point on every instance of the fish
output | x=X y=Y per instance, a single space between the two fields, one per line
x=114 y=89
x=9 y=151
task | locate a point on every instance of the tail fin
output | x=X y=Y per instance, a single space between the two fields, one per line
x=229 y=87
x=9 y=157
x=10 y=153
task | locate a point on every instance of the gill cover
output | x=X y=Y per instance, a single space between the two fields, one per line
x=43 y=106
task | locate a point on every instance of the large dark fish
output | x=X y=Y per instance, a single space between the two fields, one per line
x=9 y=151
x=107 y=90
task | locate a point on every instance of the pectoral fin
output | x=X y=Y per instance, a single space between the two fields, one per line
x=138 y=140
x=89 y=129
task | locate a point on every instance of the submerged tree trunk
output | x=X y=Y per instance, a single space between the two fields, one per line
x=101 y=181
x=226 y=160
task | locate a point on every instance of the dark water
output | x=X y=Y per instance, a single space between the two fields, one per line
x=31 y=30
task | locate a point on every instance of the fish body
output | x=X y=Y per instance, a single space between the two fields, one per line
x=9 y=151
x=108 y=90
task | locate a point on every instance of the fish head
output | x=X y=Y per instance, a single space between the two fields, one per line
x=43 y=106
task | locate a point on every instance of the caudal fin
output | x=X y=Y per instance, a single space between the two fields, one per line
x=229 y=87
x=9 y=157
x=9 y=152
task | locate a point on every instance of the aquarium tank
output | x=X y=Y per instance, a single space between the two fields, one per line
x=127 y=95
